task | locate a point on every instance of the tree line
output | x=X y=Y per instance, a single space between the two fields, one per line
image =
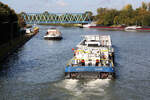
x=10 y=23
x=126 y=16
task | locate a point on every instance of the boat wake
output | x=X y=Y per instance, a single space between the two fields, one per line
x=96 y=87
x=97 y=83
x=70 y=84
x=83 y=88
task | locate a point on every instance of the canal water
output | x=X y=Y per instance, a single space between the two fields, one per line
x=36 y=70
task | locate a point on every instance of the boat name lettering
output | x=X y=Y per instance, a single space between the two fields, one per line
x=99 y=69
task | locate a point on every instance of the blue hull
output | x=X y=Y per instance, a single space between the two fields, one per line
x=89 y=69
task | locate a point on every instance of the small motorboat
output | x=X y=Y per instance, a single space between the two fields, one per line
x=36 y=29
x=89 y=25
x=32 y=30
x=132 y=28
x=53 y=34
x=29 y=30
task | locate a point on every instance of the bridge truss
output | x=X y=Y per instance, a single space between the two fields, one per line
x=38 y=18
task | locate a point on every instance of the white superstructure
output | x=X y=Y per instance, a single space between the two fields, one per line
x=88 y=25
x=53 y=33
x=95 y=40
x=132 y=28
x=94 y=47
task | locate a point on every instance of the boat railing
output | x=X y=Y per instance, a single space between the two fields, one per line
x=88 y=62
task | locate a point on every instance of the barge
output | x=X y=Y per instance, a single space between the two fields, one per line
x=93 y=59
x=137 y=28
x=108 y=27
x=32 y=30
x=53 y=34
x=122 y=28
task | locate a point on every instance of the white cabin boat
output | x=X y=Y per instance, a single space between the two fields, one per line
x=29 y=30
x=88 y=25
x=132 y=28
x=53 y=34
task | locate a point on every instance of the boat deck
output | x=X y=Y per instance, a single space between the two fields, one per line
x=95 y=41
x=94 y=54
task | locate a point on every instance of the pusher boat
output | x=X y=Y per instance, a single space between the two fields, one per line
x=93 y=59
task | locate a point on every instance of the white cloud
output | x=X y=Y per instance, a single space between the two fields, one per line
x=61 y=3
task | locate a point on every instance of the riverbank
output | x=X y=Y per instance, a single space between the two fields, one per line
x=118 y=27
x=62 y=24
x=9 y=47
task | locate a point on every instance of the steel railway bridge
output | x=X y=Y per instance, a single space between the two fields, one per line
x=39 y=18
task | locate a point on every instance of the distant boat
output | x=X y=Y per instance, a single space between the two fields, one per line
x=35 y=29
x=108 y=27
x=89 y=25
x=132 y=28
x=144 y=28
x=29 y=30
x=32 y=30
x=53 y=34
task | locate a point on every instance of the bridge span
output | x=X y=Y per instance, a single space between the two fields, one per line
x=40 y=18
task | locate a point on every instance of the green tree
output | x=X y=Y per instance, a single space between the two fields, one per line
x=148 y=6
x=127 y=16
x=90 y=14
x=116 y=20
x=144 y=5
x=9 y=23
x=101 y=15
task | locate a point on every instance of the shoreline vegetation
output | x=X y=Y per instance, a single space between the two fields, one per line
x=126 y=16
x=12 y=31
x=11 y=24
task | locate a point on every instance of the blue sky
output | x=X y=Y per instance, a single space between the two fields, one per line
x=68 y=6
